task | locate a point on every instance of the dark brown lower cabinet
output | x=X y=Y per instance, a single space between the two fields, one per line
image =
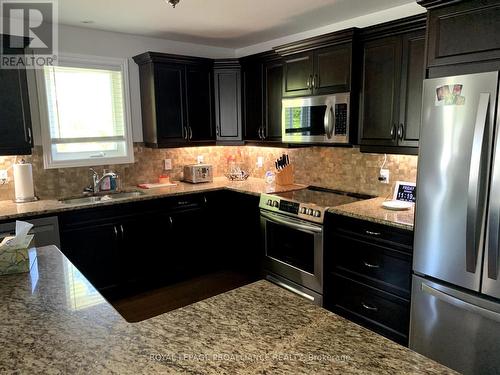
x=368 y=275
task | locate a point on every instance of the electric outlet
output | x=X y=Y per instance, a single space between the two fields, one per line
x=260 y=162
x=168 y=164
x=200 y=159
x=4 y=177
x=384 y=176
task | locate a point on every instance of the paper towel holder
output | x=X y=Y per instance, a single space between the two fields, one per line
x=26 y=200
x=21 y=199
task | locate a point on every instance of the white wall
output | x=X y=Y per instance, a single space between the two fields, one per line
x=362 y=21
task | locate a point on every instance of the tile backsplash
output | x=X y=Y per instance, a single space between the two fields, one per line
x=331 y=167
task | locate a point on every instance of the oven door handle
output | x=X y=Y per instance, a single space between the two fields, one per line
x=291 y=224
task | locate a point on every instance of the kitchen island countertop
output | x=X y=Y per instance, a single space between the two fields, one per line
x=53 y=321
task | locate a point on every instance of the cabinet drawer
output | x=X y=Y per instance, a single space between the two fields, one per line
x=376 y=265
x=381 y=311
x=372 y=232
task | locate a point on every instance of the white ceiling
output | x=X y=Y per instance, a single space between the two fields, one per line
x=225 y=23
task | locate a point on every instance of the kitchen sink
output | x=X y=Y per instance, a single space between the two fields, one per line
x=101 y=198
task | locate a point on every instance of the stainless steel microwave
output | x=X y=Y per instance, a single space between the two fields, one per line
x=316 y=119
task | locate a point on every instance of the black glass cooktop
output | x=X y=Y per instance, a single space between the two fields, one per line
x=323 y=197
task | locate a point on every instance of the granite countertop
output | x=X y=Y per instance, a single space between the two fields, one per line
x=53 y=321
x=372 y=210
x=255 y=186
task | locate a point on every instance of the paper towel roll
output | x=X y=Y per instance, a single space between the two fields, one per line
x=23 y=183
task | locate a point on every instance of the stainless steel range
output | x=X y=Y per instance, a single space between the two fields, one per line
x=292 y=232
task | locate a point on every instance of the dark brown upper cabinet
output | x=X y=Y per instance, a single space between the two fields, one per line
x=15 y=116
x=392 y=74
x=262 y=92
x=228 y=119
x=176 y=100
x=462 y=37
x=319 y=65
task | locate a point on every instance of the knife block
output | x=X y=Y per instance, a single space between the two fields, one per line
x=285 y=176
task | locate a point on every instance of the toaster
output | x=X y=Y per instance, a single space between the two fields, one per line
x=196 y=173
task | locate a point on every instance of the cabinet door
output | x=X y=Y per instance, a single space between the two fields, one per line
x=15 y=121
x=332 y=69
x=228 y=105
x=169 y=87
x=92 y=249
x=189 y=239
x=411 y=89
x=253 y=100
x=199 y=103
x=273 y=80
x=464 y=32
x=298 y=74
x=380 y=92
x=147 y=250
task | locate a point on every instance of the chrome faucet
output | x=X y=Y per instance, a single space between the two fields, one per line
x=95 y=188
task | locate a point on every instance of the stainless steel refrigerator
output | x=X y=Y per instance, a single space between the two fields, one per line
x=455 y=311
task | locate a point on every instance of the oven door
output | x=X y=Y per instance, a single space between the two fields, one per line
x=316 y=119
x=293 y=249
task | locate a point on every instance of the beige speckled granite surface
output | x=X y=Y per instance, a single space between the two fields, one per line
x=372 y=210
x=11 y=210
x=54 y=322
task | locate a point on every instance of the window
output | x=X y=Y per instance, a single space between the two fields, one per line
x=84 y=107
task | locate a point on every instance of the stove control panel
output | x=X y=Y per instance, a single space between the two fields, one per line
x=304 y=211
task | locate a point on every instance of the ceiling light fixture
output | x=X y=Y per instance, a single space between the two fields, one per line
x=173 y=2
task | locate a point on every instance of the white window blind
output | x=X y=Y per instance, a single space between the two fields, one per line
x=86 y=113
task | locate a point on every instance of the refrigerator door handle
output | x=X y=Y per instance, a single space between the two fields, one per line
x=454 y=301
x=474 y=189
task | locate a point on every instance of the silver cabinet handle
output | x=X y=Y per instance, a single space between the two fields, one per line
x=308 y=82
x=474 y=189
x=30 y=139
x=454 y=301
x=401 y=132
x=263 y=132
x=370 y=265
x=370 y=233
x=393 y=132
x=190 y=132
x=314 y=82
x=368 y=307
x=258 y=132
x=121 y=230
x=116 y=232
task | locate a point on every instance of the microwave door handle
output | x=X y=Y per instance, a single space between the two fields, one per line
x=474 y=188
x=329 y=121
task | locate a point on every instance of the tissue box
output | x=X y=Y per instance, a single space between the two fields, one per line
x=17 y=259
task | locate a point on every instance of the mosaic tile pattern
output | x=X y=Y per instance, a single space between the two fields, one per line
x=330 y=167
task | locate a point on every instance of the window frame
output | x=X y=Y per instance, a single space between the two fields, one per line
x=85 y=61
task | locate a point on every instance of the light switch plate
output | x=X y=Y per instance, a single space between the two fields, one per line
x=384 y=176
x=4 y=177
x=200 y=159
x=260 y=162
x=168 y=164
